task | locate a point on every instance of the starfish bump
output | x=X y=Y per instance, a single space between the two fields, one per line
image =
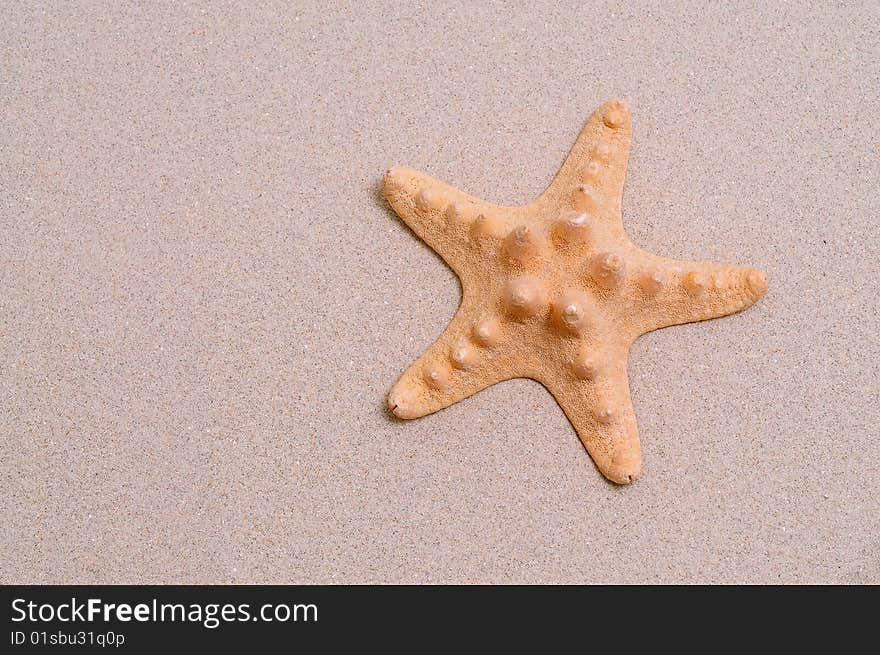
x=555 y=291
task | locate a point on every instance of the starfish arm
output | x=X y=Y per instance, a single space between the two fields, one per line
x=444 y=217
x=467 y=358
x=601 y=412
x=591 y=178
x=675 y=292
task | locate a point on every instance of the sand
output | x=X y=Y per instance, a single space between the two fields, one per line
x=203 y=301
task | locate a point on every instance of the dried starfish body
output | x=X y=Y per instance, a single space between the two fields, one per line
x=555 y=291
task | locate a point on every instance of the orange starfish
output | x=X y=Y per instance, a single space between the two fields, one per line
x=555 y=291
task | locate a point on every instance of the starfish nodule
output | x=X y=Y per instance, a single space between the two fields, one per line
x=555 y=291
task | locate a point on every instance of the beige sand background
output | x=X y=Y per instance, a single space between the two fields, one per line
x=203 y=302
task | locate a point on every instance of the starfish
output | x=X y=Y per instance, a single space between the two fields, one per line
x=555 y=291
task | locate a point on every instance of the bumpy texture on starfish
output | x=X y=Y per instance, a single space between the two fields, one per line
x=556 y=292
